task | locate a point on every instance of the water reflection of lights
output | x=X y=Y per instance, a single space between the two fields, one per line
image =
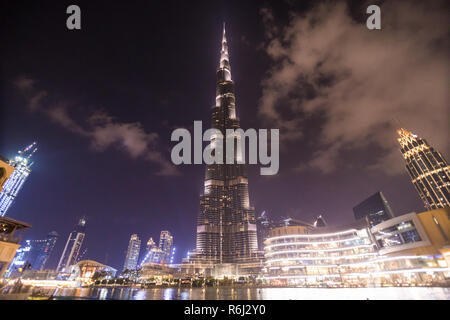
x=185 y=295
x=391 y=293
x=168 y=294
x=141 y=295
x=356 y=294
x=103 y=294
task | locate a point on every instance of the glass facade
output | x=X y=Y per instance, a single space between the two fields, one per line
x=35 y=253
x=132 y=256
x=14 y=183
x=356 y=255
x=375 y=208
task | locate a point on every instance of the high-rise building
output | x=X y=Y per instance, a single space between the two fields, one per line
x=73 y=245
x=41 y=251
x=429 y=171
x=20 y=259
x=132 y=256
x=165 y=245
x=375 y=208
x=151 y=246
x=226 y=226
x=82 y=255
x=10 y=234
x=34 y=253
x=6 y=170
x=11 y=187
x=264 y=224
x=163 y=253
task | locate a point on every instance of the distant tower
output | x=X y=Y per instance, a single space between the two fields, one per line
x=41 y=251
x=165 y=245
x=263 y=224
x=429 y=171
x=73 y=245
x=319 y=222
x=151 y=245
x=46 y=249
x=132 y=256
x=375 y=209
x=20 y=259
x=35 y=253
x=21 y=164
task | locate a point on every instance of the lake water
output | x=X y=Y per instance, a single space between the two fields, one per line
x=210 y=293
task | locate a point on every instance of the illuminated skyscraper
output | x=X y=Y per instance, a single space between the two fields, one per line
x=35 y=253
x=163 y=253
x=42 y=249
x=226 y=226
x=151 y=246
x=165 y=245
x=73 y=245
x=429 y=171
x=21 y=164
x=132 y=256
x=20 y=259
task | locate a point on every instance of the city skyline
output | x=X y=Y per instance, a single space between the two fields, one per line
x=98 y=171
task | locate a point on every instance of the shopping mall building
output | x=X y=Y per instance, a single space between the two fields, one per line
x=412 y=249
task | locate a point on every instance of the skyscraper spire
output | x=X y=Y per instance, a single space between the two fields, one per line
x=224 y=57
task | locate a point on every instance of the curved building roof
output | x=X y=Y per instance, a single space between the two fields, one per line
x=93 y=263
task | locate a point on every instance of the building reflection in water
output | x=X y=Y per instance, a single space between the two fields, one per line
x=209 y=293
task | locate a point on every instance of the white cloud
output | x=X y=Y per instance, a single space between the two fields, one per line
x=359 y=80
x=100 y=128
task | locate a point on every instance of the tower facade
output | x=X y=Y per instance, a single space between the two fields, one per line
x=165 y=245
x=226 y=227
x=132 y=256
x=73 y=245
x=11 y=187
x=429 y=171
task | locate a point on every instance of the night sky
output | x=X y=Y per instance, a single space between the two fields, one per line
x=102 y=102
